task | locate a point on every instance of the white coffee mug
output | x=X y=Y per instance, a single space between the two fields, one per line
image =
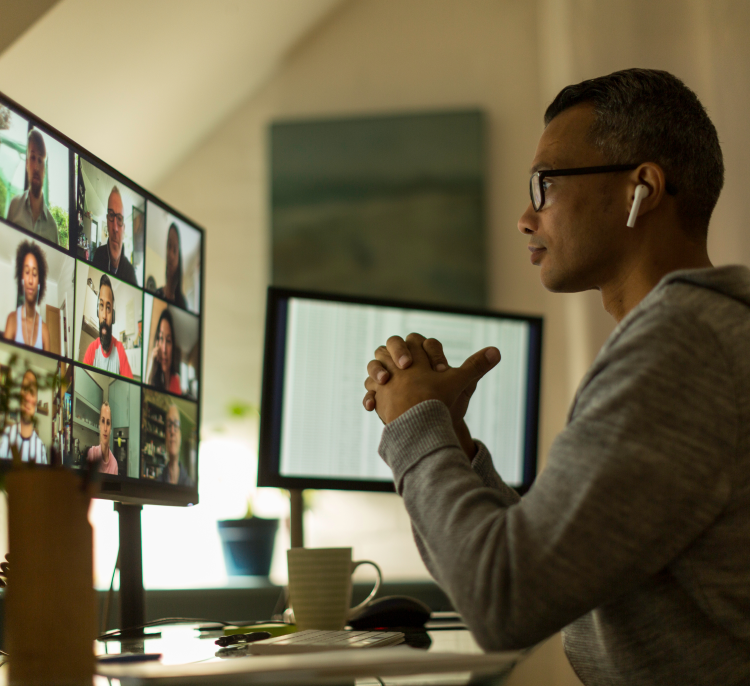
x=320 y=586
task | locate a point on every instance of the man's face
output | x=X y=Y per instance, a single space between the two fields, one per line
x=115 y=225
x=105 y=425
x=174 y=434
x=29 y=397
x=35 y=169
x=577 y=238
x=106 y=304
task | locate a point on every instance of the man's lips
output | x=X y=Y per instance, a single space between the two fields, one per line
x=536 y=253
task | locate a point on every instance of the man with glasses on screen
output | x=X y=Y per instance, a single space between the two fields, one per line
x=110 y=257
x=632 y=539
x=23 y=436
x=174 y=472
x=30 y=210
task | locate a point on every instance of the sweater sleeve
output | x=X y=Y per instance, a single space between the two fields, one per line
x=632 y=480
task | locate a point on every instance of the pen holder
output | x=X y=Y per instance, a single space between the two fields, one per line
x=50 y=615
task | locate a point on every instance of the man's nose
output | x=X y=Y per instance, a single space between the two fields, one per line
x=527 y=221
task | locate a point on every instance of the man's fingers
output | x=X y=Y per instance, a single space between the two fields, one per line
x=399 y=351
x=478 y=364
x=415 y=341
x=377 y=371
x=369 y=401
x=434 y=350
x=386 y=360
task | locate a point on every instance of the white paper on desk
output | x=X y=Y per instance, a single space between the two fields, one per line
x=312 y=668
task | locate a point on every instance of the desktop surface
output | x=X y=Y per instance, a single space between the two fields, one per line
x=190 y=657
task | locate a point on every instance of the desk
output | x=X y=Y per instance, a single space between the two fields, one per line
x=183 y=647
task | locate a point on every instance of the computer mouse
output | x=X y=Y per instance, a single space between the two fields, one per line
x=391 y=612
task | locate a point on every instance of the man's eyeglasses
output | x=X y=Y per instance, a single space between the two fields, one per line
x=536 y=185
x=112 y=216
x=173 y=424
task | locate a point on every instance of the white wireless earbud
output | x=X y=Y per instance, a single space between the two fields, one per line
x=641 y=192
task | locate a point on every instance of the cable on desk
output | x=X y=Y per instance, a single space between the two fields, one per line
x=108 y=598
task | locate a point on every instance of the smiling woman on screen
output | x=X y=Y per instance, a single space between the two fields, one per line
x=164 y=361
x=25 y=325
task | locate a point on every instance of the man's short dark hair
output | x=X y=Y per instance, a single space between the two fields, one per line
x=28 y=248
x=37 y=139
x=647 y=115
x=104 y=281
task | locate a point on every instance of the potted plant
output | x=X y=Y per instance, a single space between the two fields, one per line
x=248 y=544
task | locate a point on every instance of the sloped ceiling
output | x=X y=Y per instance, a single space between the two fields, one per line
x=140 y=82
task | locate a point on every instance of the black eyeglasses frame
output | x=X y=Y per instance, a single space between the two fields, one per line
x=579 y=171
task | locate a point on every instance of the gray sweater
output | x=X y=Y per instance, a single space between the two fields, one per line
x=635 y=539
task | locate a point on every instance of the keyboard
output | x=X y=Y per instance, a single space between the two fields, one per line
x=314 y=641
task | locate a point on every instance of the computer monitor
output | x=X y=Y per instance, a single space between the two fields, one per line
x=101 y=302
x=314 y=431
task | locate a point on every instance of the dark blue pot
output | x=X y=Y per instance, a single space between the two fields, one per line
x=248 y=545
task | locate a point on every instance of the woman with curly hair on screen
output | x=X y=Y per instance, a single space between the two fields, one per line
x=25 y=324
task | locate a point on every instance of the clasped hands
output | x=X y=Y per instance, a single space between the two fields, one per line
x=407 y=372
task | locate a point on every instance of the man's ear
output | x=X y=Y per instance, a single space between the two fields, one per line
x=645 y=190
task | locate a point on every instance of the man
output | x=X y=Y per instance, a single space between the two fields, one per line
x=106 y=352
x=632 y=540
x=174 y=472
x=23 y=436
x=29 y=209
x=102 y=452
x=110 y=256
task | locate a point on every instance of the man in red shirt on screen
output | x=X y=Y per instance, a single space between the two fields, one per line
x=106 y=352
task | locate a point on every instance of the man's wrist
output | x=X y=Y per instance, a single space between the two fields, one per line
x=465 y=439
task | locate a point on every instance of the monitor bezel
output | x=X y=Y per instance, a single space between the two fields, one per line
x=270 y=412
x=130 y=490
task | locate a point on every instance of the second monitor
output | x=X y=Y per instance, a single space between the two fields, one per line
x=314 y=430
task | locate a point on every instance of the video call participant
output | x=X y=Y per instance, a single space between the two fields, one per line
x=172 y=290
x=110 y=257
x=174 y=472
x=25 y=325
x=108 y=464
x=164 y=362
x=23 y=435
x=106 y=352
x=29 y=209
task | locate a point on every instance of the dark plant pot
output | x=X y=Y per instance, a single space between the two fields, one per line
x=248 y=545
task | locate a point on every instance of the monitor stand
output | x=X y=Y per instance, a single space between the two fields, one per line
x=132 y=596
x=295 y=518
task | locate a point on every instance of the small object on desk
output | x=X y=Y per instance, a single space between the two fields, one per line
x=317 y=641
x=273 y=628
x=225 y=641
x=128 y=657
x=390 y=612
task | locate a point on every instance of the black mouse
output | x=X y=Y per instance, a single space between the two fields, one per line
x=391 y=612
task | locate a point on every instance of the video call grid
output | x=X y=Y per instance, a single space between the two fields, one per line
x=76 y=159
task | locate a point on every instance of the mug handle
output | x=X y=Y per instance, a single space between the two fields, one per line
x=375 y=589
